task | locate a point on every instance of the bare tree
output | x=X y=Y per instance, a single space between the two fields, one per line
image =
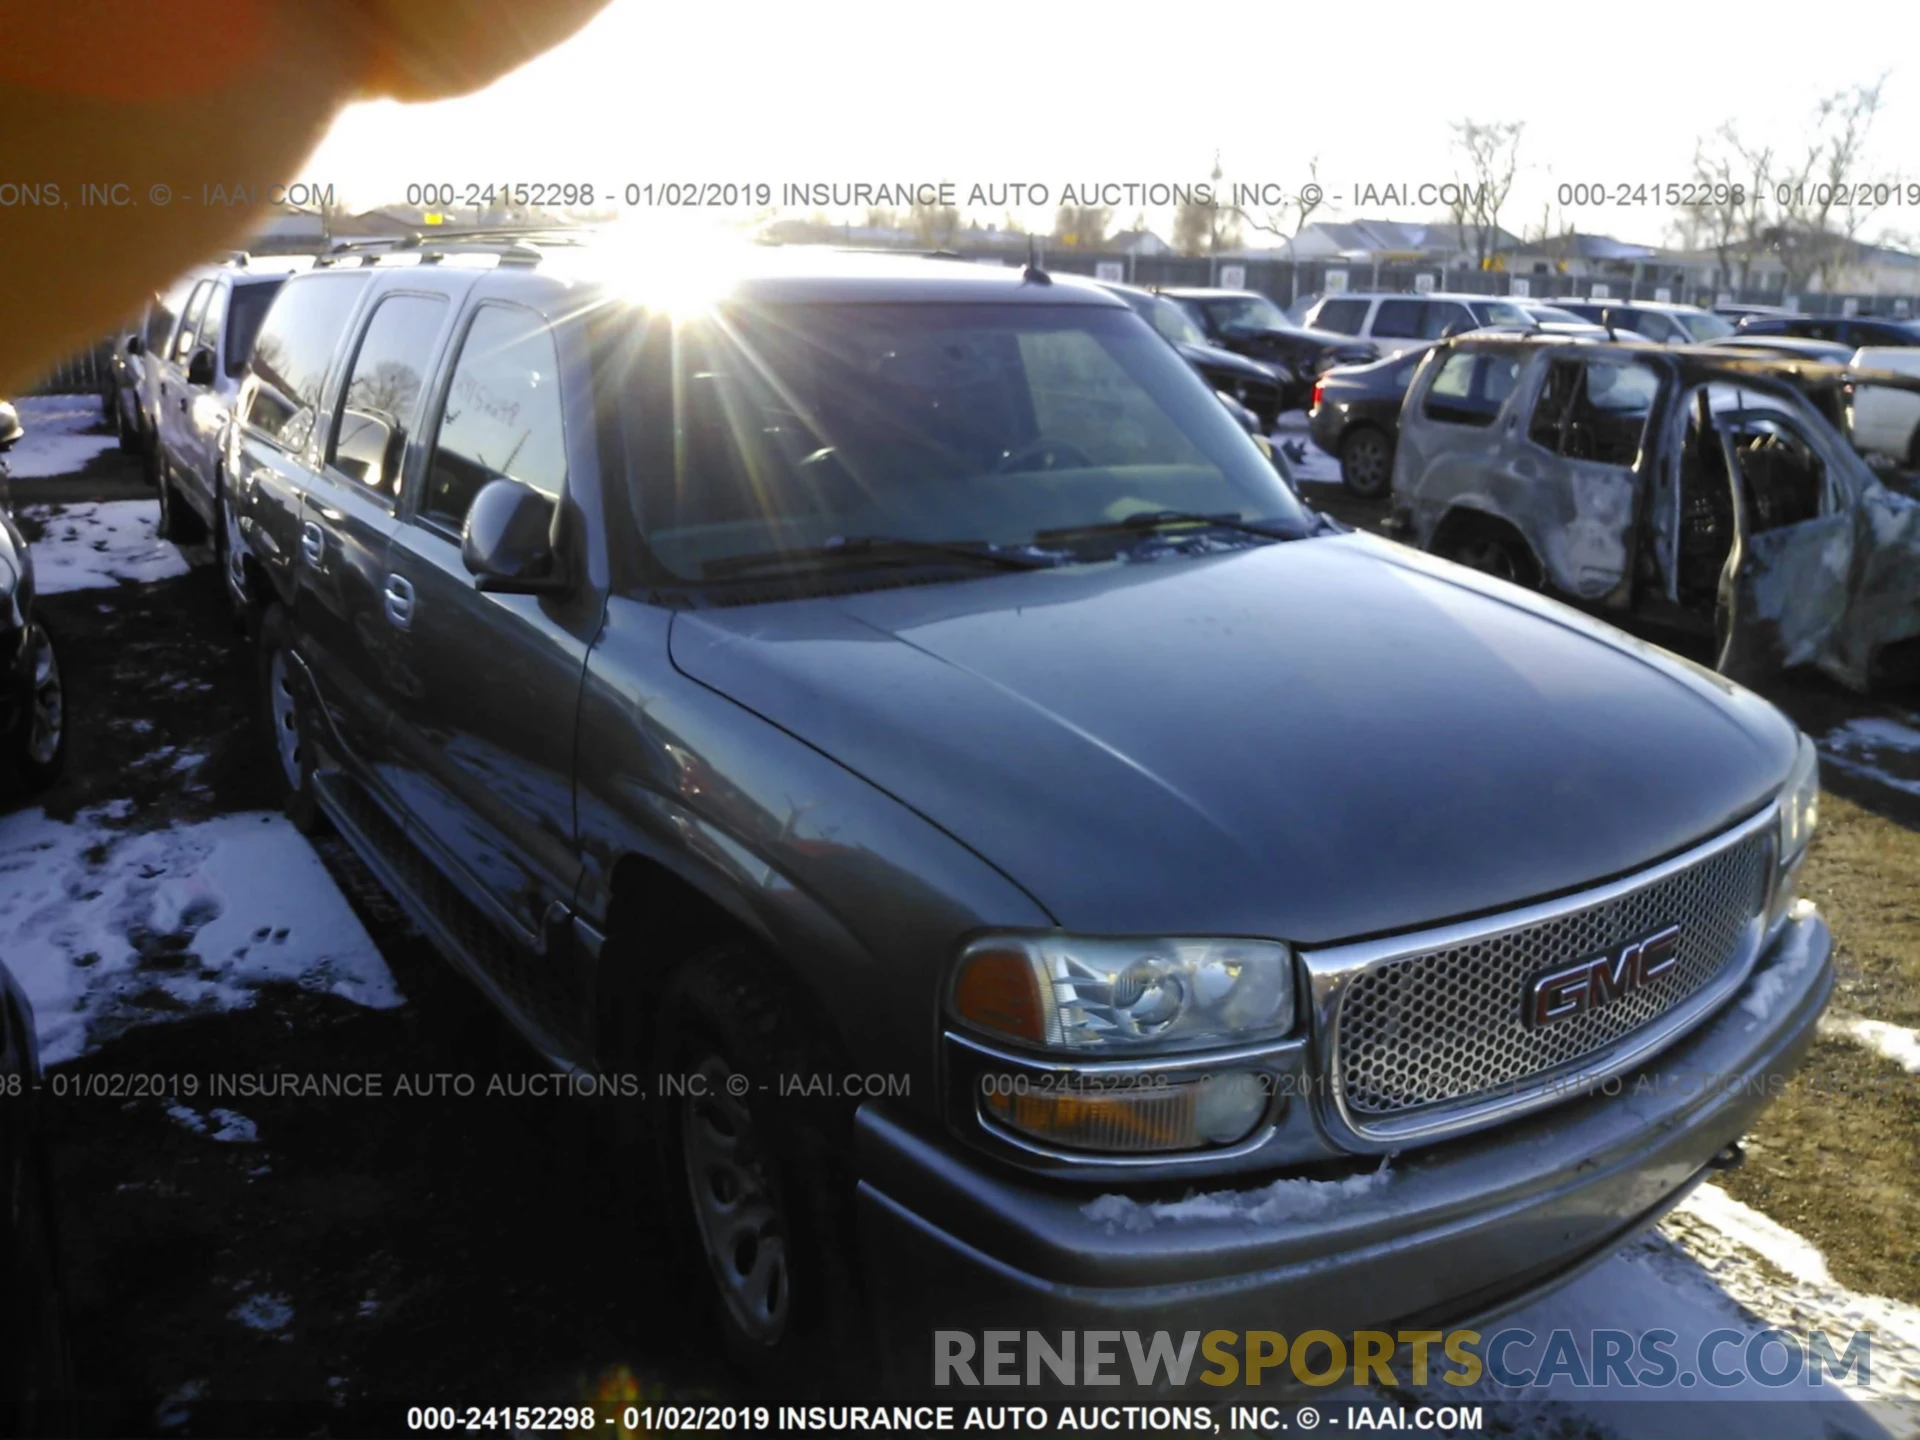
x=934 y=227
x=1206 y=227
x=1491 y=152
x=1287 y=222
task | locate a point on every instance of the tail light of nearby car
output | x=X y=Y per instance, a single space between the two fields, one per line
x=1317 y=388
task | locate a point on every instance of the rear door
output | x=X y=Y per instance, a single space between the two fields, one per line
x=171 y=374
x=347 y=617
x=484 y=724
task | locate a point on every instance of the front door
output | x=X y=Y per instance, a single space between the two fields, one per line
x=484 y=718
x=1784 y=588
x=349 y=619
x=173 y=399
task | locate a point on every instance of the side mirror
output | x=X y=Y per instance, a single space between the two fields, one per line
x=10 y=426
x=507 y=542
x=135 y=345
x=200 y=366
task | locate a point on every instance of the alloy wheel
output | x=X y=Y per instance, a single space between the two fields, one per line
x=49 y=717
x=735 y=1205
x=286 y=720
x=1366 y=464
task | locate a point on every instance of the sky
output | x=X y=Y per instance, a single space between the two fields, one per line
x=1045 y=94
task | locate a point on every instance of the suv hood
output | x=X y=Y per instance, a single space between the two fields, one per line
x=1313 y=740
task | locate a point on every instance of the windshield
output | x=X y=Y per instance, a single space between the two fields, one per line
x=797 y=427
x=1175 y=323
x=1246 y=312
x=1704 y=326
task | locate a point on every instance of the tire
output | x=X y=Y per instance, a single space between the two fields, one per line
x=127 y=435
x=288 y=723
x=1366 y=462
x=1492 y=553
x=757 y=1184
x=36 y=751
x=178 y=521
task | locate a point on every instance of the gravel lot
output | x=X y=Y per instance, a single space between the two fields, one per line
x=240 y=1264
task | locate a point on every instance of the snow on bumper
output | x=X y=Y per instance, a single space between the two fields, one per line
x=1458 y=1231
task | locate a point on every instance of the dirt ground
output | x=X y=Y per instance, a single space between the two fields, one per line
x=1837 y=1157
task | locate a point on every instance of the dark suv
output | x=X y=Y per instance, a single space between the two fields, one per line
x=894 y=711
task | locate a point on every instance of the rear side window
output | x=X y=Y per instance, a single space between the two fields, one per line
x=1399 y=319
x=190 y=324
x=1442 y=316
x=1344 y=316
x=502 y=417
x=1471 y=387
x=1594 y=410
x=382 y=403
x=291 y=356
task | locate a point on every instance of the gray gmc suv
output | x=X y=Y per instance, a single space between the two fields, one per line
x=892 y=710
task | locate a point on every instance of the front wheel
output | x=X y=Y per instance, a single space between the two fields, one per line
x=1366 y=463
x=1500 y=556
x=178 y=523
x=758 y=1180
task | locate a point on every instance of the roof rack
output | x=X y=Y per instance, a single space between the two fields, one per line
x=514 y=244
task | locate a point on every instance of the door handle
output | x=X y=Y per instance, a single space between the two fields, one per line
x=313 y=542
x=183 y=404
x=399 y=597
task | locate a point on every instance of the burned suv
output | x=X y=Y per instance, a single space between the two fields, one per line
x=1706 y=491
x=891 y=707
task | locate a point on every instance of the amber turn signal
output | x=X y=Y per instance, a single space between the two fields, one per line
x=998 y=990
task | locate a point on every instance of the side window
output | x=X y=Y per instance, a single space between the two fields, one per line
x=1595 y=410
x=502 y=415
x=1399 y=319
x=1781 y=469
x=190 y=324
x=291 y=356
x=1345 y=317
x=1471 y=387
x=382 y=402
x=212 y=320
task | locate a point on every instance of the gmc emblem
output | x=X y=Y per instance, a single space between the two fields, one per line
x=1588 y=985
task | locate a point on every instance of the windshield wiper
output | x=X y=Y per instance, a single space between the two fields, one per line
x=863 y=549
x=1149 y=521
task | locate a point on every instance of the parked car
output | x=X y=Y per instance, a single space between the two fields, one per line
x=1737 y=311
x=33 y=728
x=1552 y=320
x=1653 y=320
x=1254 y=385
x=1356 y=417
x=1693 y=489
x=1883 y=420
x=195 y=378
x=1250 y=324
x=1396 y=320
x=1853 y=331
x=140 y=394
x=877 y=672
x=36 y=1383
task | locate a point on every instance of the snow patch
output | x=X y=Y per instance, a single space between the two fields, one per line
x=1895 y=1042
x=263 y=1312
x=106 y=929
x=100 y=544
x=1282 y=1200
x=235 y=1128
x=54 y=444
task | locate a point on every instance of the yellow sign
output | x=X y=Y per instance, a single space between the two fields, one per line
x=434 y=217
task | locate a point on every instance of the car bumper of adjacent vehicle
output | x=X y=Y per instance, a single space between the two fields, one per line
x=1458 y=1231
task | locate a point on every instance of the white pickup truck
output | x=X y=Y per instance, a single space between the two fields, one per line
x=1882 y=420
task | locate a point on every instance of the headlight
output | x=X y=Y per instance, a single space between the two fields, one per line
x=1799 y=803
x=1116 y=998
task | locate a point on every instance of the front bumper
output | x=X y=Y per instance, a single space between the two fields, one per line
x=1457 y=1231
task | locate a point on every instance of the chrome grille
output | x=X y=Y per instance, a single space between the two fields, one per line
x=1446 y=1025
